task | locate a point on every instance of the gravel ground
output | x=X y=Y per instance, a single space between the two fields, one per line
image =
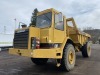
x=17 y=65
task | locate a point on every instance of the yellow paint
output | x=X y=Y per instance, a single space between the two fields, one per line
x=46 y=35
x=71 y=57
x=33 y=32
x=37 y=53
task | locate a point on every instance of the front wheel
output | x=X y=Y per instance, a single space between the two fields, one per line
x=86 y=50
x=69 y=57
x=39 y=61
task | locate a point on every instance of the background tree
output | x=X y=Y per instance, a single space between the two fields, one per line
x=95 y=33
x=34 y=17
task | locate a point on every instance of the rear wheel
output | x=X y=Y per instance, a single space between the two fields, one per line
x=69 y=57
x=39 y=61
x=86 y=50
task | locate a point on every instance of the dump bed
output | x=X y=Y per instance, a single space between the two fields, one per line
x=75 y=34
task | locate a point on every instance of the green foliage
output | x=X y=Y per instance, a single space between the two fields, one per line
x=95 y=34
x=33 y=18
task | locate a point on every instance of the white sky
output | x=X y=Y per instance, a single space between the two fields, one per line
x=85 y=12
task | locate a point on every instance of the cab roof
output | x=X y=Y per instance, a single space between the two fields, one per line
x=47 y=10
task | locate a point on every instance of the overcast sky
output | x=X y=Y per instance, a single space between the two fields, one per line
x=85 y=12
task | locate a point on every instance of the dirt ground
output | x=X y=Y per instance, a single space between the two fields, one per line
x=17 y=65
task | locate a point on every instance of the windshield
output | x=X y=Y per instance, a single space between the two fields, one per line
x=44 y=20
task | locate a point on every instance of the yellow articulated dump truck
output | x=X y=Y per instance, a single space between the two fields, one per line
x=53 y=37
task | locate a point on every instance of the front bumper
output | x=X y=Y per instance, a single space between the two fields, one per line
x=38 y=53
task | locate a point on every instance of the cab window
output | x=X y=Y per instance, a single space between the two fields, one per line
x=59 y=24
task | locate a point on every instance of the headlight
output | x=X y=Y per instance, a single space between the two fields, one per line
x=35 y=43
x=55 y=45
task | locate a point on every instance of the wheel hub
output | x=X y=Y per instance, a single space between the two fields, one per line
x=71 y=57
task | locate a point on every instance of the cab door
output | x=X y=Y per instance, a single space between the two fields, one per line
x=59 y=30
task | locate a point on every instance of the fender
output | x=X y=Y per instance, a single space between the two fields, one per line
x=64 y=43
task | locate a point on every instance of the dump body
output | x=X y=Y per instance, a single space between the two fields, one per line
x=78 y=37
x=52 y=36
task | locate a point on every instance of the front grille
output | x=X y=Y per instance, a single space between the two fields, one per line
x=21 y=39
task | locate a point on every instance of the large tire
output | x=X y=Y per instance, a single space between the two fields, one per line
x=86 y=50
x=39 y=61
x=69 y=58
